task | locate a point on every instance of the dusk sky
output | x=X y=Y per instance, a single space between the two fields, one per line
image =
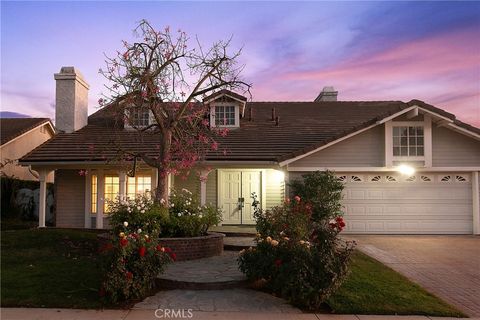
x=366 y=50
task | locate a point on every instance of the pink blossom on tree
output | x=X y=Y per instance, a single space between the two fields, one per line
x=160 y=74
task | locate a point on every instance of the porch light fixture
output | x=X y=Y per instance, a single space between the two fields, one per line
x=279 y=176
x=406 y=170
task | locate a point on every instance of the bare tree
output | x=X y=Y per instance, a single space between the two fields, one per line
x=161 y=75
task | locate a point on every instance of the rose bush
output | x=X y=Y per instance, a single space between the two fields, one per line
x=186 y=217
x=298 y=254
x=134 y=256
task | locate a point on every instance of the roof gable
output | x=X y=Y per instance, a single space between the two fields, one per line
x=11 y=128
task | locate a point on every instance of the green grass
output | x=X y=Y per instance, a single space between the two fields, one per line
x=373 y=288
x=60 y=268
x=49 y=268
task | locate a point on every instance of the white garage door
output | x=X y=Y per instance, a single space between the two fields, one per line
x=426 y=203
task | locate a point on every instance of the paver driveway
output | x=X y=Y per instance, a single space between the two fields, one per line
x=447 y=266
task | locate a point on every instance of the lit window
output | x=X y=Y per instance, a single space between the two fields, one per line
x=408 y=141
x=138 y=117
x=112 y=188
x=138 y=185
x=224 y=116
x=93 y=208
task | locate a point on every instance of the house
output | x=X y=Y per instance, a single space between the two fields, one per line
x=368 y=144
x=19 y=136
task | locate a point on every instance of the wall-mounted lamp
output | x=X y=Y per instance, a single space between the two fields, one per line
x=406 y=170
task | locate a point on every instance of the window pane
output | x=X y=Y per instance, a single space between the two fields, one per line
x=411 y=131
x=404 y=151
x=396 y=142
x=420 y=131
x=403 y=141
x=396 y=151
x=396 y=131
x=419 y=141
x=412 y=151
x=419 y=151
x=411 y=141
x=93 y=204
x=403 y=131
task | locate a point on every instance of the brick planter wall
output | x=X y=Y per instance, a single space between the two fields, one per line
x=196 y=247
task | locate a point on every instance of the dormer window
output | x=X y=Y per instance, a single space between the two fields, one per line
x=224 y=116
x=226 y=108
x=138 y=117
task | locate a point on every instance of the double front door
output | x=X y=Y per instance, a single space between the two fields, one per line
x=235 y=188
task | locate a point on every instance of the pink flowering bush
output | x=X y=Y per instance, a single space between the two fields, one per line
x=299 y=255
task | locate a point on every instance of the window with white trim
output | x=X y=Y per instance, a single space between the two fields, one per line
x=225 y=116
x=138 y=185
x=408 y=141
x=112 y=189
x=138 y=117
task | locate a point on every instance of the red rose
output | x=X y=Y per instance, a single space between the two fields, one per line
x=129 y=275
x=297 y=198
x=123 y=242
x=173 y=256
x=342 y=224
x=278 y=262
x=158 y=247
x=168 y=250
x=141 y=251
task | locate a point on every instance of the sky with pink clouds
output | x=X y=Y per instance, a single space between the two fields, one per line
x=367 y=50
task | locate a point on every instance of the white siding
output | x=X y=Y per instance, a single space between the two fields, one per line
x=452 y=149
x=212 y=188
x=366 y=149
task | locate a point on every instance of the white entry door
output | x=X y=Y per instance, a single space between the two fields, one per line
x=234 y=194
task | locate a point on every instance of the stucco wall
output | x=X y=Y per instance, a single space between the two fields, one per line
x=19 y=147
x=70 y=199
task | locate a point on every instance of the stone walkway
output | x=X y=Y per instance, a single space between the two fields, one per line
x=232 y=300
x=218 y=269
x=447 y=266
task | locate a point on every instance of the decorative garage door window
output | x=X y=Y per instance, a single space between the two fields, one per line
x=390 y=178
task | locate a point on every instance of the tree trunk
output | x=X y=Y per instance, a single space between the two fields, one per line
x=161 y=192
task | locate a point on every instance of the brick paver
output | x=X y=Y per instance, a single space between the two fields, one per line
x=447 y=266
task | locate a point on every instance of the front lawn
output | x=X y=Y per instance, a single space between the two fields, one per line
x=59 y=268
x=373 y=288
x=49 y=268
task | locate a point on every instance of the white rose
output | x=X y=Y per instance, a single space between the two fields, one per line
x=139 y=231
x=125 y=224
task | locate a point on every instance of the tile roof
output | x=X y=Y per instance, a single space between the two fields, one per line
x=303 y=126
x=10 y=128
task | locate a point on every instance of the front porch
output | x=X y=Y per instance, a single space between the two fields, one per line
x=83 y=192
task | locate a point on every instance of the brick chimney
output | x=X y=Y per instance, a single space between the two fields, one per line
x=71 y=101
x=327 y=94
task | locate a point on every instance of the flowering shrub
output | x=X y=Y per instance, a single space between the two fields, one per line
x=298 y=254
x=187 y=218
x=141 y=213
x=134 y=257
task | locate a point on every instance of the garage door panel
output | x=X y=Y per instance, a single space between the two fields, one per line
x=412 y=227
x=432 y=207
